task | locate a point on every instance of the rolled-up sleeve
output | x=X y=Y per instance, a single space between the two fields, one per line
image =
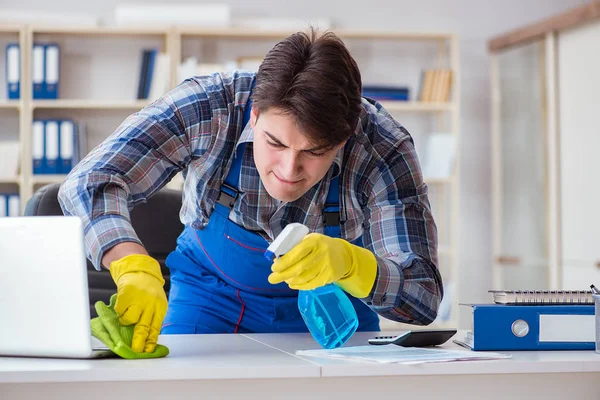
x=401 y=232
x=140 y=157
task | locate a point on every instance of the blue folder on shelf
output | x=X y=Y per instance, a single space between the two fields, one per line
x=13 y=71
x=52 y=71
x=9 y=205
x=38 y=69
x=67 y=142
x=523 y=327
x=37 y=146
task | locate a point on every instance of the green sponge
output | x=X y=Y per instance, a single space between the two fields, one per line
x=118 y=338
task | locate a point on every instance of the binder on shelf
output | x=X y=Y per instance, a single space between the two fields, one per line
x=37 y=146
x=14 y=206
x=152 y=55
x=67 y=146
x=51 y=147
x=143 y=73
x=161 y=77
x=38 y=71
x=52 y=71
x=543 y=327
x=379 y=92
x=13 y=71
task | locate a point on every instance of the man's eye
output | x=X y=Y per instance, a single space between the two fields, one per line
x=312 y=153
x=276 y=145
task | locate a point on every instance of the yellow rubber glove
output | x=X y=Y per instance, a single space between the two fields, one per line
x=319 y=260
x=141 y=299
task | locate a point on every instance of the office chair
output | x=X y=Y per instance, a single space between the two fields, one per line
x=156 y=223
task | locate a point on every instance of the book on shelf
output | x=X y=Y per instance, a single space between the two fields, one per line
x=45 y=71
x=10 y=205
x=13 y=71
x=386 y=92
x=436 y=85
x=155 y=75
x=160 y=81
x=57 y=145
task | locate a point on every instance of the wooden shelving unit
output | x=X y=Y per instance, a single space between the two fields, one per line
x=10 y=104
x=172 y=40
x=89 y=104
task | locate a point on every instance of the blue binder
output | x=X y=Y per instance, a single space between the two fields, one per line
x=52 y=71
x=521 y=327
x=51 y=147
x=38 y=71
x=67 y=144
x=37 y=148
x=13 y=207
x=13 y=71
x=150 y=72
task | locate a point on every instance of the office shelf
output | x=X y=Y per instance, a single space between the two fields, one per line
x=89 y=104
x=46 y=179
x=10 y=179
x=10 y=104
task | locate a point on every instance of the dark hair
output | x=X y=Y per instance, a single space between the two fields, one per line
x=314 y=79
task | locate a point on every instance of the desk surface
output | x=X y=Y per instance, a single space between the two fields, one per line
x=521 y=361
x=271 y=356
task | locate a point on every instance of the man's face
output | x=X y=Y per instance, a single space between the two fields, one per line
x=287 y=162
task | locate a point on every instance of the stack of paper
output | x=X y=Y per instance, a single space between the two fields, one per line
x=402 y=355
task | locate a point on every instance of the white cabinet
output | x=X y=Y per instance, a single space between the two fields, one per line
x=579 y=118
x=546 y=146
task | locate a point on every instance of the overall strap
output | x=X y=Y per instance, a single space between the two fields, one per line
x=229 y=192
x=331 y=211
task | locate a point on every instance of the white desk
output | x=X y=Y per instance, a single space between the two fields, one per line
x=263 y=366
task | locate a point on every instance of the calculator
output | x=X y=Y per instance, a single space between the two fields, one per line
x=416 y=338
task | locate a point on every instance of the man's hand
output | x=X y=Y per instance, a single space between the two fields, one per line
x=141 y=299
x=319 y=260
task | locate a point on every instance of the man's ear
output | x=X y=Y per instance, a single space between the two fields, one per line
x=339 y=146
x=253 y=117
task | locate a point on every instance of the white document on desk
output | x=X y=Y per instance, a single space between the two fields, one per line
x=403 y=355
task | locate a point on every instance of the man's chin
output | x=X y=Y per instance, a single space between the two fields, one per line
x=283 y=195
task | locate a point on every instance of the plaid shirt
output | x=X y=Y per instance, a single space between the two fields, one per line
x=196 y=127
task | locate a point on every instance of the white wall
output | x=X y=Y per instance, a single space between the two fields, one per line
x=474 y=21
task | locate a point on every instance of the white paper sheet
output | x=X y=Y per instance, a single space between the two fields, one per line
x=403 y=355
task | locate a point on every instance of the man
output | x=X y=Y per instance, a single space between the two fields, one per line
x=313 y=152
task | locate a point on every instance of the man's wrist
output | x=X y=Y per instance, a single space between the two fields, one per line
x=121 y=250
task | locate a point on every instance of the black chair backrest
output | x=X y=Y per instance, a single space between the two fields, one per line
x=156 y=223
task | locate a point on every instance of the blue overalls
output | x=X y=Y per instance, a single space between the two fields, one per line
x=219 y=274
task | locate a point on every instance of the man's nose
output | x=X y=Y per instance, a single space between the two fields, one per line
x=290 y=166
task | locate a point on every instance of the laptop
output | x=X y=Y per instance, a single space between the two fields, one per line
x=44 y=300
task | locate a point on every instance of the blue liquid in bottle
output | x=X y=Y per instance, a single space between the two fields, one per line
x=328 y=314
